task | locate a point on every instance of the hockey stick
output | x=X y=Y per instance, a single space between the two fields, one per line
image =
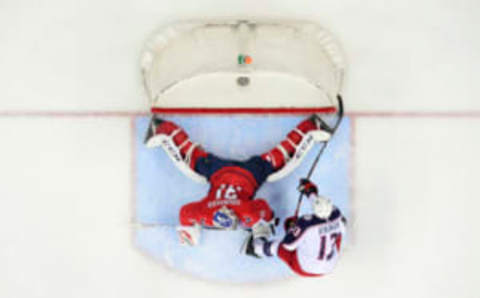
x=315 y=162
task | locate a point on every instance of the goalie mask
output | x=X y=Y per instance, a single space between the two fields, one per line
x=322 y=207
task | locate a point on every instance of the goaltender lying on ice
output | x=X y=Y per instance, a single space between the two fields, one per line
x=230 y=202
x=233 y=184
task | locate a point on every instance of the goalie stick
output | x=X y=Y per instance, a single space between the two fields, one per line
x=324 y=145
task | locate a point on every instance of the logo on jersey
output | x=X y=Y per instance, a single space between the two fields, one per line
x=223 y=219
x=304 y=146
x=168 y=146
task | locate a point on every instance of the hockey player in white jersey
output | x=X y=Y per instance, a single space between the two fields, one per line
x=313 y=242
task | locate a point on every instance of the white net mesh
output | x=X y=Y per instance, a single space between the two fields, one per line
x=203 y=65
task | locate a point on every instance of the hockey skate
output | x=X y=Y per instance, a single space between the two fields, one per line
x=248 y=248
x=322 y=125
x=323 y=131
x=261 y=231
x=152 y=127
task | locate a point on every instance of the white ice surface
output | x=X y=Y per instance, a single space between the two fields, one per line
x=65 y=182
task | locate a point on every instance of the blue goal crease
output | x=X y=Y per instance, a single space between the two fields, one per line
x=162 y=189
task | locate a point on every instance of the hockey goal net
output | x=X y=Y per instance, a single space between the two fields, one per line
x=242 y=67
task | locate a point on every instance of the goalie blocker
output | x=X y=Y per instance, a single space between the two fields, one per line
x=230 y=200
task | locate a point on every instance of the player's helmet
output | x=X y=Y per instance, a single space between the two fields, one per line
x=322 y=207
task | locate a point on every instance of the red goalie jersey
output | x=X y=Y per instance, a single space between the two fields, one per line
x=232 y=187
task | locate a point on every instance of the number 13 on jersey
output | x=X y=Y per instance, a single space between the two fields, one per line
x=330 y=242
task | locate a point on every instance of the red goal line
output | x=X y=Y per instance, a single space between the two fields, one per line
x=256 y=111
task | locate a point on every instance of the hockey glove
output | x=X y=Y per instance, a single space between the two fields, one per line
x=307 y=187
x=289 y=223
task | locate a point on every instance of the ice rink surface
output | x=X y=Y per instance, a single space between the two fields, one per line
x=70 y=91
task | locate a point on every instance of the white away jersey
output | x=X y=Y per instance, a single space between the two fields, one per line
x=317 y=242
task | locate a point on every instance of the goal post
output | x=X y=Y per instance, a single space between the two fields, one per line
x=242 y=67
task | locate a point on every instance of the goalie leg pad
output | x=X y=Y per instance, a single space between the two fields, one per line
x=189 y=151
x=166 y=128
x=281 y=155
x=289 y=154
x=176 y=143
x=307 y=125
